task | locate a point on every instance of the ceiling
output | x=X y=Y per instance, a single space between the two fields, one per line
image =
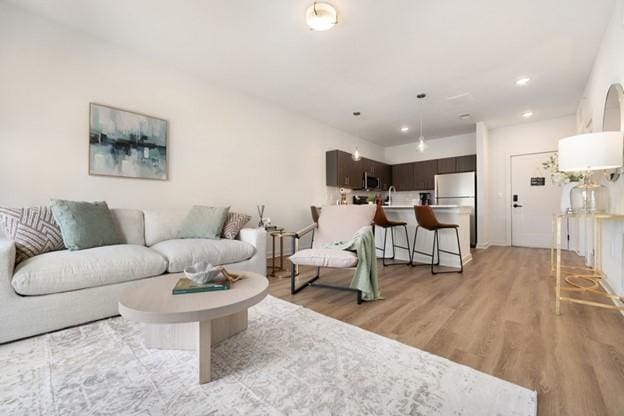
x=376 y=60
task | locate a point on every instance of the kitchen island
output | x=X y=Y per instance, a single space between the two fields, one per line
x=450 y=214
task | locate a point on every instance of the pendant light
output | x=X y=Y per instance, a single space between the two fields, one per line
x=356 y=154
x=422 y=145
x=321 y=16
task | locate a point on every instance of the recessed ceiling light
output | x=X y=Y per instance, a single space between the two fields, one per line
x=523 y=81
x=465 y=116
x=527 y=114
x=404 y=129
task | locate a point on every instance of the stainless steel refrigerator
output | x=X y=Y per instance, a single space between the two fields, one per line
x=459 y=189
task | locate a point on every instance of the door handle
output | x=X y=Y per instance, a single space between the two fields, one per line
x=517 y=206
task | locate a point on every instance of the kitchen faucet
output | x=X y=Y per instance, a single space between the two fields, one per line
x=390 y=190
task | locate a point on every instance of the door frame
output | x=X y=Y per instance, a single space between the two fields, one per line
x=508 y=215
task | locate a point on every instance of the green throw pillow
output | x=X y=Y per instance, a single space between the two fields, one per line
x=204 y=222
x=85 y=224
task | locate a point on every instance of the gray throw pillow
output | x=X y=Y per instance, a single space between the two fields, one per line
x=33 y=230
x=233 y=224
x=85 y=224
x=204 y=222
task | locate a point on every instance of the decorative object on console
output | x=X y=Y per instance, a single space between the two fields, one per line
x=85 y=224
x=233 y=224
x=204 y=222
x=613 y=119
x=590 y=152
x=567 y=180
x=126 y=144
x=34 y=231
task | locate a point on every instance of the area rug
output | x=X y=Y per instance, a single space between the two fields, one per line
x=290 y=361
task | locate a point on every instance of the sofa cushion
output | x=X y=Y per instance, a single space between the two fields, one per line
x=204 y=222
x=34 y=231
x=85 y=224
x=233 y=224
x=325 y=257
x=181 y=253
x=62 y=271
x=163 y=224
x=130 y=225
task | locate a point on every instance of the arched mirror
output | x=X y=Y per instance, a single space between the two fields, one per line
x=613 y=119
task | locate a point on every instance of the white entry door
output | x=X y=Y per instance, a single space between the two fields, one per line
x=534 y=200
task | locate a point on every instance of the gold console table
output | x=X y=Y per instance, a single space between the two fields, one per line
x=592 y=276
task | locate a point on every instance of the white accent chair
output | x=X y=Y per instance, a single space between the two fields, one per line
x=335 y=223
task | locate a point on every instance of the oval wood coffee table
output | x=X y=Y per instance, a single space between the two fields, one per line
x=192 y=320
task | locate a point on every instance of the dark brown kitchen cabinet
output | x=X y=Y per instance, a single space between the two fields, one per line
x=424 y=174
x=403 y=176
x=447 y=165
x=341 y=170
x=466 y=163
x=386 y=176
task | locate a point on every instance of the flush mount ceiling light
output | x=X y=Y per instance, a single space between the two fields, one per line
x=404 y=129
x=521 y=82
x=527 y=114
x=422 y=145
x=321 y=16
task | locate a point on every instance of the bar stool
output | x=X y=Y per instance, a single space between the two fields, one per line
x=382 y=221
x=425 y=217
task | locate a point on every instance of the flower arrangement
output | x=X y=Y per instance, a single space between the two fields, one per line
x=560 y=178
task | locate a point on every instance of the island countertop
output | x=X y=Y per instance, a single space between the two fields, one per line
x=460 y=208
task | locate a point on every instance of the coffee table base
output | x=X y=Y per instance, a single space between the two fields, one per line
x=199 y=336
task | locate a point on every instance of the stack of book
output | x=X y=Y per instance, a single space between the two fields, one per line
x=185 y=285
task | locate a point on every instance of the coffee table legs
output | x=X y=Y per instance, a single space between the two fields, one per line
x=204 y=343
x=198 y=336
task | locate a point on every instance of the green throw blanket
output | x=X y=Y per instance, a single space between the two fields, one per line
x=365 y=278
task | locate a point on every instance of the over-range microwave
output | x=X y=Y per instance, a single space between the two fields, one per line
x=371 y=182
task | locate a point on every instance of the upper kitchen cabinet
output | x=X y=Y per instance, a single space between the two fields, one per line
x=403 y=176
x=447 y=165
x=466 y=163
x=341 y=170
x=424 y=174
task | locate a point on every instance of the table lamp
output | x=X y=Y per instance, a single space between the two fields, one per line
x=587 y=153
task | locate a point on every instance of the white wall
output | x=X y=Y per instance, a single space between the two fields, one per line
x=609 y=69
x=224 y=148
x=541 y=136
x=483 y=190
x=451 y=146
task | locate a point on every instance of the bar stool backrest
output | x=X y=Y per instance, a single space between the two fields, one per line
x=380 y=217
x=426 y=217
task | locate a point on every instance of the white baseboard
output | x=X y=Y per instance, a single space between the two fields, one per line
x=483 y=246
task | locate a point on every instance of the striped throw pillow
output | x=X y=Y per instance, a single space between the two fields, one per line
x=34 y=231
x=233 y=224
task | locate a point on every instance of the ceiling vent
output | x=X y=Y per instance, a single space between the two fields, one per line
x=465 y=116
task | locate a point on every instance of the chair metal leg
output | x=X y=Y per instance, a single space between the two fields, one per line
x=409 y=251
x=459 y=254
x=435 y=238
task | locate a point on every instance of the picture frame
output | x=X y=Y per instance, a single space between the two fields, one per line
x=127 y=144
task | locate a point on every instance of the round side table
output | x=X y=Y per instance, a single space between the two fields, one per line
x=275 y=270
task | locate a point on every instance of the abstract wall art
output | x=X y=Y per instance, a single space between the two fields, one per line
x=126 y=144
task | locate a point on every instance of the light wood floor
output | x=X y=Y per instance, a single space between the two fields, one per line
x=498 y=317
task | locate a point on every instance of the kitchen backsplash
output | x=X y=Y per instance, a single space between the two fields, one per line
x=398 y=198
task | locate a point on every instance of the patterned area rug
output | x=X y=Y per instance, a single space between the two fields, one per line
x=290 y=361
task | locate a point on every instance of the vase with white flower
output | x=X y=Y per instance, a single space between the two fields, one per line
x=567 y=180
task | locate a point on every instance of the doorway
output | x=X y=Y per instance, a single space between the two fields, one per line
x=534 y=200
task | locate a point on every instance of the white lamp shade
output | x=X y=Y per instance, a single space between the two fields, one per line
x=592 y=151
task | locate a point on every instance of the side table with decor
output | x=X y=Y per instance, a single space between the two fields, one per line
x=278 y=233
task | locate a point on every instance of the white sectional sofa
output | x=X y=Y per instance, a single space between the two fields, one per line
x=64 y=288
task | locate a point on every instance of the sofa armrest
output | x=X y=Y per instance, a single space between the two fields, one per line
x=257 y=237
x=7 y=264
